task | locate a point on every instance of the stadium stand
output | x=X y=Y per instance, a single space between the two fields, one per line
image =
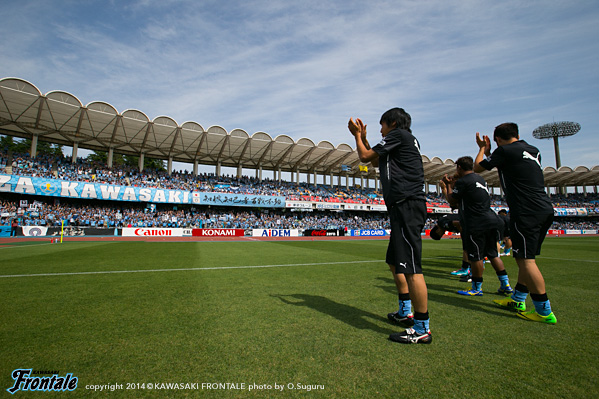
x=117 y=216
x=98 y=126
x=43 y=211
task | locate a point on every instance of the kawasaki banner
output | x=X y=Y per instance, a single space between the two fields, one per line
x=87 y=190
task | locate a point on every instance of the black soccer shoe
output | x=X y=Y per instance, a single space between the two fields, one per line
x=410 y=336
x=466 y=278
x=405 y=322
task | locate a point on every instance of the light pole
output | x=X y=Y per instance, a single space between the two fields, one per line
x=554 y=131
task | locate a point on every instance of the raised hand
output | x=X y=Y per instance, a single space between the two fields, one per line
x=354 y=127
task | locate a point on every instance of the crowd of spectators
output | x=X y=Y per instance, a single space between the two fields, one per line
x=575 y=200
x=575 y=224
x=80 y=214
x=113 y=214
x=61 y=167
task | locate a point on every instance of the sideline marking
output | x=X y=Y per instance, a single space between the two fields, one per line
x=236 y=267
x=183 y=269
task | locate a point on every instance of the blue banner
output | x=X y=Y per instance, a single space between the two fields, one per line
x=86 y=190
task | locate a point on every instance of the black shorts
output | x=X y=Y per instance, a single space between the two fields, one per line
x=481 y=244
x=506 y=232
x=405 y=244
x=528 y=233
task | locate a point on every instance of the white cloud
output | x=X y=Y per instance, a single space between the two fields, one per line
x=303 y=68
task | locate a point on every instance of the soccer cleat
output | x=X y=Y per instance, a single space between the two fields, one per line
x=407 y=321
x=471 y=292
x=532 y=315
x=507 y=290
x=466 y=279
x=461 y=272
x=511 y=304
x=410 y=336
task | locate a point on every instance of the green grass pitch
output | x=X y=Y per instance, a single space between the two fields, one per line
x=299 y=314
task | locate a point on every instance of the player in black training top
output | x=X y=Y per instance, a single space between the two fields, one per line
x=531 y=213
x=402 y=178
x=453 y=223
x=470 y=194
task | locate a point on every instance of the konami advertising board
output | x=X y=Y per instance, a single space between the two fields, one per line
x=217 y=232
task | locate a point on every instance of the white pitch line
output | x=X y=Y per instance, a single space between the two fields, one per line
x=229 y=267
x=183 y=269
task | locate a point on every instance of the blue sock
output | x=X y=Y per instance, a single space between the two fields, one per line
x=542 y=307
x=477 y=285
x=519 y=296
x=541 y=302
x=405 y=308
x=504 y=280
x=421 y=323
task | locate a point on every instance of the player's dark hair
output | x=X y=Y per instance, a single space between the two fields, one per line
x=465 y=163
x=398 y=118
x=506 y=131
x=502 y=212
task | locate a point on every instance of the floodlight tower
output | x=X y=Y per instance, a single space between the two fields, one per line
x=555 y=130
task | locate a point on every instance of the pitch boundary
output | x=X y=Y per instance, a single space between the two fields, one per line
x=232 y=268
x=187 y=269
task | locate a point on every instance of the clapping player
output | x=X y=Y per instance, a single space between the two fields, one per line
x=402 y=179
x=470 y=194
x=531 y=214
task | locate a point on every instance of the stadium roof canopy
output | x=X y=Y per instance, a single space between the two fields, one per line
x=59 y=117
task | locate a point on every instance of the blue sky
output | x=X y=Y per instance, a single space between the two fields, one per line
x=303 y=68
